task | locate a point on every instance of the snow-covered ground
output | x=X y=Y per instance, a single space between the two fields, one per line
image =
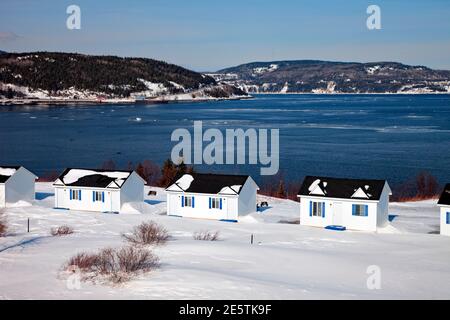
x=287 y=261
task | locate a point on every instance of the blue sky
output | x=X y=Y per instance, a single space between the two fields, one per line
x=207 y=35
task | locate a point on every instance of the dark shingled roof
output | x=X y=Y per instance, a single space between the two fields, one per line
x=94 y=180
x=3 y=179
x=97 y=180
x=343 y=188
x=212 y=183
x=445 y=197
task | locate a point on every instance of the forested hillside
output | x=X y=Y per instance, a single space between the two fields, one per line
x=110 y=75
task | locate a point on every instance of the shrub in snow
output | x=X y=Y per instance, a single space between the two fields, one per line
x=147 y=233
x=61 y=231
x=206 y=236
x=3 y=226
x=114 y=265
x=83 y=261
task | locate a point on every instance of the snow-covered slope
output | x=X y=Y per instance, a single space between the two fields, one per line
x=287 y=261
x=330 y=77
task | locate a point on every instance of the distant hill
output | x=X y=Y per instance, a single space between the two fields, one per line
x=3 y=52
x=315 y=76
x=70 y=74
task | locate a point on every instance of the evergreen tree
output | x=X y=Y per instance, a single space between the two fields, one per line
x=130 y=166
x=9 y=94
x=141 y=171
x=281 y=192
x=168 y=173
x=190 y=170
x=181 y=167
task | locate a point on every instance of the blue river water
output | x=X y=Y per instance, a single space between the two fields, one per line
x=391 y=137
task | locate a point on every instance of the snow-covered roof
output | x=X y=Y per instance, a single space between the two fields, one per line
x=368 y=189
x=209 y=183
x=94 y=178
x=6 y=172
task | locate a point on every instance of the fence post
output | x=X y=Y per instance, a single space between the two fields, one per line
x=28 y=225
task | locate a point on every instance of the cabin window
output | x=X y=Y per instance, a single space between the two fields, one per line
x=98 y=196
x=75 y=194
x=215 y=203
x=448 y=217
x=361 y=210
x=188 y=202
x=317 y=209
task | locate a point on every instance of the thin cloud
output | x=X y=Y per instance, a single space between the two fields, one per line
x=7 y=36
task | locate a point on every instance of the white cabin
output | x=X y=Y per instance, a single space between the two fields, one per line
x=354 y=204
x=444 y=204
x=97 y=190
x=212 y=196
x=16 y=186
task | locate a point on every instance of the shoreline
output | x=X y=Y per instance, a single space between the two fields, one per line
x=353 y=93
x=67 y=102
x=163 y=100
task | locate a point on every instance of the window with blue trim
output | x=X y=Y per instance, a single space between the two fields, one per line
x=317 y=209
x=98 y=196
x=215 y=203
x=188 y=202
x=360 y=210
x=75 y=194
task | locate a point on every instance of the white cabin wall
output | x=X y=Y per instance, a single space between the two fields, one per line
x=368 y=223
x=170 y=203
x=233 y=208
x=20 y=187
x=115 y=198
x=445 y=228
x=306 y=220
x=60 y=198
x=2 y=196
x=63 y=201
x=247 y=198
x=383 y=207
x=201 y=209
x=132 y=190
x=351 y=222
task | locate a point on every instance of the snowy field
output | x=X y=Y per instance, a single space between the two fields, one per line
x=287 y=261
